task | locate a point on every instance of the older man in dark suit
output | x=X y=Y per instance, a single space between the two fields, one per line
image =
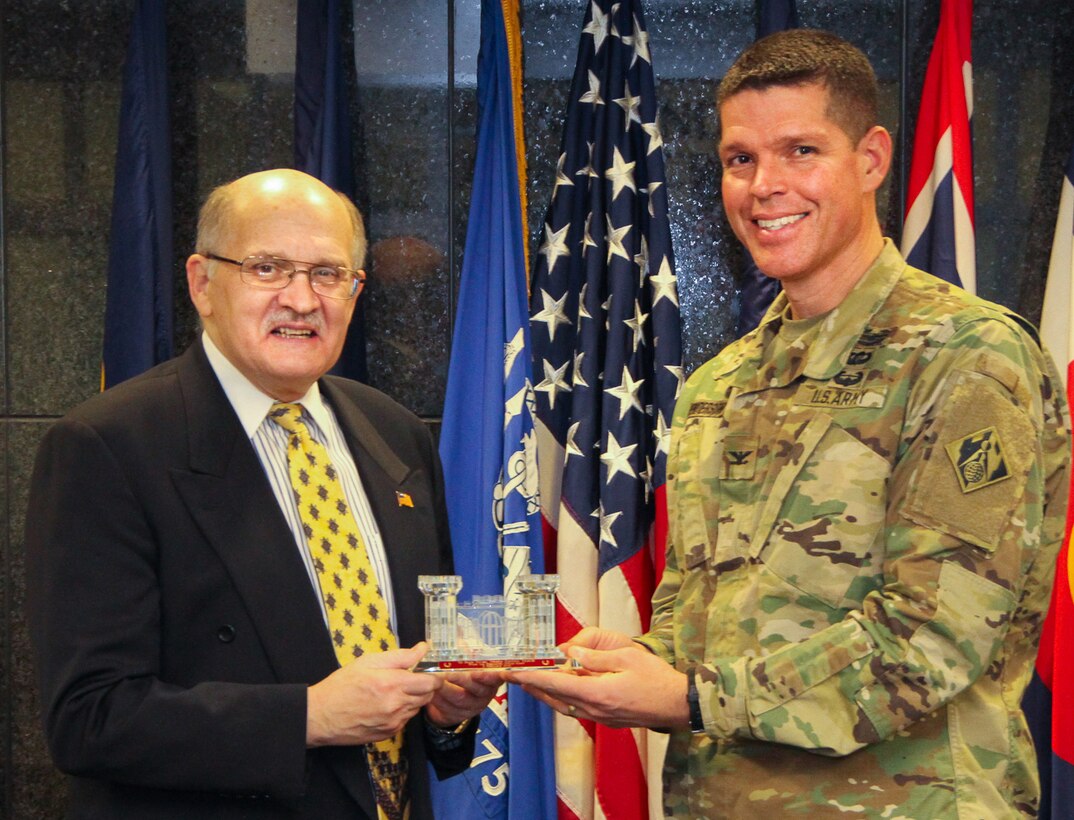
x=192 y=659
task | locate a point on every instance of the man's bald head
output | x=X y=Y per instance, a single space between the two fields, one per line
x=268 y=189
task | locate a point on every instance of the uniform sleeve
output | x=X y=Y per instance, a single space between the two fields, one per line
x=974 y=516
x=660 y=639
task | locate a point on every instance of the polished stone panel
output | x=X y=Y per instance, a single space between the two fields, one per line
x=405 y=181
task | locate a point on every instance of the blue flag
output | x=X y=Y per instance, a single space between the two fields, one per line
x=758 y=291
x=323 y=128
x=138 y=306
x=487 y=442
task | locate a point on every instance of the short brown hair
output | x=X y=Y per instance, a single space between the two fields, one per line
x=804 y=56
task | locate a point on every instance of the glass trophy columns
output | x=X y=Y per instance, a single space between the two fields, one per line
x=539 y=619
x=516 y=630
x=441 y=618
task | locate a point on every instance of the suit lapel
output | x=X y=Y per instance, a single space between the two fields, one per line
x=227 y=493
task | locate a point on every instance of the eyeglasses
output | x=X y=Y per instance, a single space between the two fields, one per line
x=273 y=273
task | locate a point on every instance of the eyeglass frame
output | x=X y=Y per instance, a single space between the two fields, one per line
x=359 y=275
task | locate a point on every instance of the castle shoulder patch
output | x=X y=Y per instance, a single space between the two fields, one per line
x=978 y=459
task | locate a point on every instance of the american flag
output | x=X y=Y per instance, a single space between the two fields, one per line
x=608 y=366
x=938 y=235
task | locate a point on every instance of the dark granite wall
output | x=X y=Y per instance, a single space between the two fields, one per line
x=59 y=98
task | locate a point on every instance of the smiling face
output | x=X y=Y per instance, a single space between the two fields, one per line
x=799 y=194
x=281 y=340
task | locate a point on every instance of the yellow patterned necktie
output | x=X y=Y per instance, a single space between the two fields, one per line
x=357 y=614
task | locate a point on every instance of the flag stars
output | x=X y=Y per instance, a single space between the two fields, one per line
x=554 y=381
x=640 y=41
x=571 y=448
x=636 y=323
x=621 y=174
x=679 y=373
x=588 y=169
x=655 y=139
x=627 y=393
x=649 y=190
x=629 y=103
x=641 y=259
x=665 y=284
x=583 y=311
x=606 y=522
x=617 y=458
x=662 y=434
x=597 y=26
x=577 y=377
x=647 y=478
x=615 y=240
x=561 y=179
x=592 y=96
x=553 y=313
x=587 y=242
x=554 y=245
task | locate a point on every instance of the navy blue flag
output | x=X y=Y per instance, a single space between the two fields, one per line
x=323 y=136
x=759 y=291
x=138 y=305
x=607 y=360
x=487 y=443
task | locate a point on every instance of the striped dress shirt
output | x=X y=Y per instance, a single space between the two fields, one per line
x=270 y=443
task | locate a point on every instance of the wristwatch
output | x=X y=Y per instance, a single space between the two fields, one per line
x=446 y=737
x=693 y=700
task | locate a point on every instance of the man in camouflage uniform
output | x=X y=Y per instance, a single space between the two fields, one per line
x=866 y=498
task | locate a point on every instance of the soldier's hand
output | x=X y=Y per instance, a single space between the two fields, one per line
x=369 y=699
x=617 y=687
x=594 y=637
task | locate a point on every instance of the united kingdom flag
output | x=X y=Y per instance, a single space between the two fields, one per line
x=607 y=360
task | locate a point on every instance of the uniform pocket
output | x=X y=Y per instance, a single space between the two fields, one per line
x=824 y=514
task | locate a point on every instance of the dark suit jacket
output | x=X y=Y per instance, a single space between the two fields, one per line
x=175 y=626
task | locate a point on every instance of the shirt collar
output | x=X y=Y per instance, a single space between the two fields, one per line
x=251 y=404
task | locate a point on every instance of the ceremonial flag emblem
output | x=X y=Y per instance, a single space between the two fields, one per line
x=607 y=362
x=938 y=235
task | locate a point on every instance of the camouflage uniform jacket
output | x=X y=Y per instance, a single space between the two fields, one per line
x=864 y=525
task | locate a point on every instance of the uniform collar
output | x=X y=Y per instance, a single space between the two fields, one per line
x=829 y=346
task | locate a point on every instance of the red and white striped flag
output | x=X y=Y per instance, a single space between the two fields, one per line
x=938 y=235
x=607 y=358
x=1056 y=325
x=1049 y=701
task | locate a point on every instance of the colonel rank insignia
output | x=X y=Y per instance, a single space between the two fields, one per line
x=978 y=459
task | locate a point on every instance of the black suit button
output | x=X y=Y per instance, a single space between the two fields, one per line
x=226 y=633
